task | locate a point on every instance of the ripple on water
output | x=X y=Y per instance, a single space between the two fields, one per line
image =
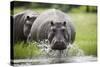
x=71 y=54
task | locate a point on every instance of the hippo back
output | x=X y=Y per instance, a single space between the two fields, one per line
x=41 y=26
x=18 y=24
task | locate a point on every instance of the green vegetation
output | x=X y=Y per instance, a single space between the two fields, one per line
x=86 y=32
x=23 y=50
x=86 y=37
x=38 y=10
x=85 y=21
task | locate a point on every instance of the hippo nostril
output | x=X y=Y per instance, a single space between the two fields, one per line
x=59 y=45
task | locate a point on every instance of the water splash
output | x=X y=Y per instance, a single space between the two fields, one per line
x=72 y=54
x=72 y=50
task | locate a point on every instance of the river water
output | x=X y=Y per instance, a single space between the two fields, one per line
x=39 y=61
x=72 y=54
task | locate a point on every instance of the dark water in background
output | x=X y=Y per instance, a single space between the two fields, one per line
x=71 y=55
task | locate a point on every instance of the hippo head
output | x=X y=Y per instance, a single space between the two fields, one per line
x=58 y=36
x=28 y=23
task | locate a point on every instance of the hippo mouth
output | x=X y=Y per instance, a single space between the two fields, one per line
x=58 y=46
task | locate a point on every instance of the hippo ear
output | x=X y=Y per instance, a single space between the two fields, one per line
x=64 y=23
x=28 y=17
x=52 y=23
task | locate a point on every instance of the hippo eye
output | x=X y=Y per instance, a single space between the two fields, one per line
x=64 y=23
x=28 y=17
x=52 y=24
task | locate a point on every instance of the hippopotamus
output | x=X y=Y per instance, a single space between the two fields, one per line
x=22 y=23
x=55 y=26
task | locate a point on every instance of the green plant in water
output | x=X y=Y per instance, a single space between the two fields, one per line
x=26 y=50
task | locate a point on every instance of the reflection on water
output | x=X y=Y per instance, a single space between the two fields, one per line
x=49 y=56
x=54 y=60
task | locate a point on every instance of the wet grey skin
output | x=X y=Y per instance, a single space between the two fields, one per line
x=22 y=23
x=55 y=26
